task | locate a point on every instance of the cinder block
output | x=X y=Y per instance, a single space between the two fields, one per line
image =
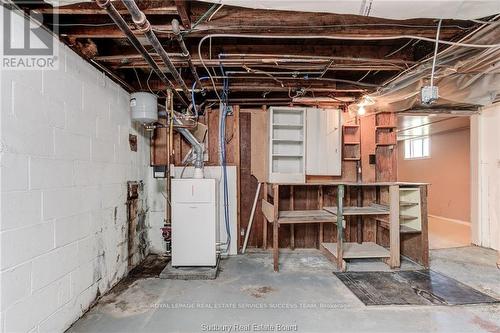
x=71 y=146
x=103 y=151
x=96 y=100
x=27 y=313
x=88 y=249
x=54 y=265
x=120 y=115
x=71 y=229
x=80 y=122
x=107 y=130
x=50 y=173
x=14 y=169
x=20 y=245
x=114 y=195
x=37 y=138
x=21 y=209
x=61 y=202
x=16 y=284
x=85 y=276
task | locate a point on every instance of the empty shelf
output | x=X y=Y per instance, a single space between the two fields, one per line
x=293 y=126
x=407 y=204
x=403 y=229
x=368 y=210
x=305 y=216
x=358 y=251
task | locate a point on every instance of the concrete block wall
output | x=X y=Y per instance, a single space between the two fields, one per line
x=65 y=161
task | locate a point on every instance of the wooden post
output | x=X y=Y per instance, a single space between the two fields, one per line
x=275 y=227
x=320 y=226
x=292 y=226
x=395 y=259
x=425 y=226
x=264 y=227
x=340 y=217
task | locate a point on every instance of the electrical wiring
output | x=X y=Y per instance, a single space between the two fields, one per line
x=222 y=152
x=435 y=53
x=256 y=36
x=215 y=12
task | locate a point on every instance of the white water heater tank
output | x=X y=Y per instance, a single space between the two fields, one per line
x=144 y=107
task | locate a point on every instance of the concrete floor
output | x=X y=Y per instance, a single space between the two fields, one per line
x=305 y=297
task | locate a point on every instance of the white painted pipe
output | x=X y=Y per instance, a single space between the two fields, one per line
x=250 y=220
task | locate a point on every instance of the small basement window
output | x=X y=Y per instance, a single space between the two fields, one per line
x=417 y=148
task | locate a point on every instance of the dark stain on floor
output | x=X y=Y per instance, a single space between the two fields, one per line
x=150 y=267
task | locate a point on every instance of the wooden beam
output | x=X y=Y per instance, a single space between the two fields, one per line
x=150 y=7
x=165 y=31
x=183 y=8
x=265 y=226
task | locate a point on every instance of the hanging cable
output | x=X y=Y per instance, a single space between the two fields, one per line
x=222 y=152
x=435 y=52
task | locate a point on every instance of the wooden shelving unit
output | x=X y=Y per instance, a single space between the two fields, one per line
x=340 y=251
x=351 y=138
x=410 y=219
x=287 y=151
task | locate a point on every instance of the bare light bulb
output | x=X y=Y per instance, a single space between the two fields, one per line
x=361 y=110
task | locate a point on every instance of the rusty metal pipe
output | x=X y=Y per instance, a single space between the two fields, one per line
x=177 y=33
x=142 y=23
x=123 y=26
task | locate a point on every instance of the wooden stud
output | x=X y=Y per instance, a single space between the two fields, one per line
x=320 y=226
x=340 y=217
x=264 y=227
x=275 y=227
x=395 y=258
x=425 y=226
x=292 y=227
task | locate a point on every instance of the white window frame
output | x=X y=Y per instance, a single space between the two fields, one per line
x=411 y=155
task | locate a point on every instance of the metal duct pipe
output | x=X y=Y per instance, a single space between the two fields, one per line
x=197 y=147
x=177 y=33
x=144 y=26
x=120 y=22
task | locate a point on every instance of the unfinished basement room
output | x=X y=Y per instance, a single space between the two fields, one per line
x=250 y=166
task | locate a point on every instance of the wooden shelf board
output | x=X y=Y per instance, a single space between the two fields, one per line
x=287 y=155
x=352 y=159
x=350 y=125
x=296 y=126
x=358 y=251
x=352 y=143
x=407 y=204
x=407 y=217
x=404 y=229
x=385 y=127
x=368 y=210
x=288 y=140
x=305 y=216
x=385 y=144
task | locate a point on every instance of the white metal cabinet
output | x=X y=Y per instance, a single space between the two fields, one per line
x=195 y=216
x=323 y=142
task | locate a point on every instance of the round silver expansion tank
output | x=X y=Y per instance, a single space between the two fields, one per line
x=144 y=107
